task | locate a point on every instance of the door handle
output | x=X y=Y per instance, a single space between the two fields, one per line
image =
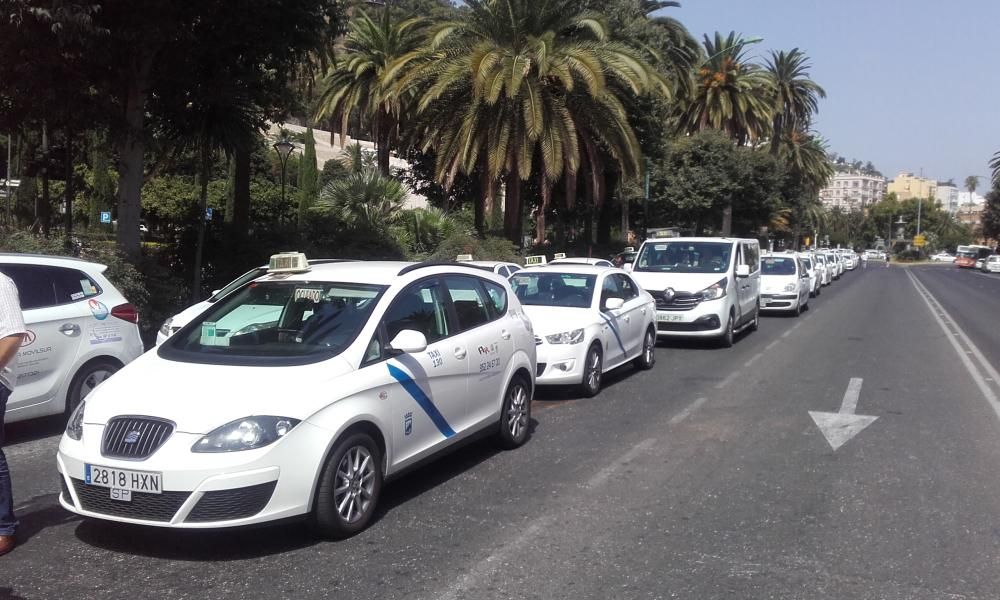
x=70 y=329
x=505 y=334
x=460 y=353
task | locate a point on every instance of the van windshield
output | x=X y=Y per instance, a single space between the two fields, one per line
x=684 y=257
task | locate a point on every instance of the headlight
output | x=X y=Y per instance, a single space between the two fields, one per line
x=245 y=434
x=566 y=337
x=791 y=287
x=165 y=328
x=74 y=429
x=716 y=290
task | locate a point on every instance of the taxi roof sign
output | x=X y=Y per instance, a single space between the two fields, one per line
x=535 y=260
x=559 y=256
x=288 y=262
x=463 y=258
x=629 y=249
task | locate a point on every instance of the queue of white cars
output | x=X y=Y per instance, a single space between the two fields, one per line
x=302 y=387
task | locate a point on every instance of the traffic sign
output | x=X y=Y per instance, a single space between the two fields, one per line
x=208 y=213
x=105 y=216
x=919 y=240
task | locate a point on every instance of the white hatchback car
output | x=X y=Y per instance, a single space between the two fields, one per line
x=815 y=277
x=369 y=368
x=784 y=283
x=81 y=330
x=588 y=321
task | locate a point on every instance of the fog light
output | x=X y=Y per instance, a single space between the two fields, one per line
x=565 y=366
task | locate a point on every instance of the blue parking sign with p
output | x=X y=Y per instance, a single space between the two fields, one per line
x=105 y=216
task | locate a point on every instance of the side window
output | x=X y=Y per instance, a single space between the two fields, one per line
x=750 y=256
x=514 y=269
x=467 y=298
x=421 y=308
x=40 y=286
x=609 y=290
x=503 y=271
x=498 y=297
x=628 y=288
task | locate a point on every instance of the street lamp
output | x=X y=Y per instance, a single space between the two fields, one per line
x=284 y=148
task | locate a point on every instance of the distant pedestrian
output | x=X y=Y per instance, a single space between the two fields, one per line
x=12 y=331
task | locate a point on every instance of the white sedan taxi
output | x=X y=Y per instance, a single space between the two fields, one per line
x=588 y=320
x=366 y=369
x=784 y=283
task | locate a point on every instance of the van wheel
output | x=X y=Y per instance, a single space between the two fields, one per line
x=593 y=370
x=726 y=341
x=86 y=379
x=515 y=414
x=349 y=487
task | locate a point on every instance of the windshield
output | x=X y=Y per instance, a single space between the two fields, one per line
x=279 y=320
x=684 y=257
x=807 y=263
x=554 y=289
x=777 y=265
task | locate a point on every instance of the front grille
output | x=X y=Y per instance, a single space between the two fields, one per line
x=681 y=301
x=134 y=438
x=148 y=507
x=696 y=326
x=227 y=505
x=65 y=490
x=540 y=368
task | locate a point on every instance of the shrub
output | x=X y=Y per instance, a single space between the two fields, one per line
x=488 y=248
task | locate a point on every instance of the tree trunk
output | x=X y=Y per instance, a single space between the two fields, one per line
x=383 y=134
x=727 y=218
x=43 y=204
x=484 y=203
x=606 y=216
x=512 y=209
x=544 y=206
x=131 y=149
x=69 y=183
x=241 y=189
x=202 y=208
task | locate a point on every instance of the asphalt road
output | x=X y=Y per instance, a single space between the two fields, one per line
x=703 y=478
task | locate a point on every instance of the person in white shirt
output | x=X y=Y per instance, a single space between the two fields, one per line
x=12 y=332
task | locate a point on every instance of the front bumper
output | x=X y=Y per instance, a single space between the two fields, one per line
x=560 y=364
x=778 y=302
x=707 y=319
x=200 y=491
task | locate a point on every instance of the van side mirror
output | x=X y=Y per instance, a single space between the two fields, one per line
x=743 y=270
x=408 y=341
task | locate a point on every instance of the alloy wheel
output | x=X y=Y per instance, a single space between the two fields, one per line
x=517 y=411
x=355 y=484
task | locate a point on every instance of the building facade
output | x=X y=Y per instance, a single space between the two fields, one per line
x=907 y=185
x=947 y=197
x=853 y=191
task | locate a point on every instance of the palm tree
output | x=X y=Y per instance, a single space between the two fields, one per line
x=995 y=165
x=796 y=96
x=516 y=80
x=971 y=183
x=359 y=84
x=809 y=170
x=684 y=50
x=731 y=94
x=364 y=200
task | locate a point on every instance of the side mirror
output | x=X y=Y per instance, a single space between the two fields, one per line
x=613 y=303
x=408 y=341
x=627 y=267
x=743 y=270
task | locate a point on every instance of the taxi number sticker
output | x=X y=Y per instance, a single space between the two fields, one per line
x=435 y=356
x=489 y=364
x=314 y=294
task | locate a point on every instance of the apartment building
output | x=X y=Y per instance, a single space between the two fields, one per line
x=853 y=190
x=908 y=185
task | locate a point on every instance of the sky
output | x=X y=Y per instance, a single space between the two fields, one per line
x=911 y=85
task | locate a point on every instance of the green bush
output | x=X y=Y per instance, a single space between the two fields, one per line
x=488 y=248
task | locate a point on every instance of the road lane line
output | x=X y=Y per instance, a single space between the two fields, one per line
x=850 y=401
x=969 y=365
x=729 y=379
x=771 y=345
x=601 y=476
x=753 y=359
x=687 y=412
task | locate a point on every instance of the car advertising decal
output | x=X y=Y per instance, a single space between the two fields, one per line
x=422 y=400
x=614 y=330
x=98 y=309
x=105 y=334
x=28 y=339
x=408 y=423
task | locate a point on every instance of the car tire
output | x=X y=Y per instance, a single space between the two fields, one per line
x=726 y=341
x=593 y=372
x=86 y=379
x=798 y=308
x=515 y=414
x=647 y=358
x=341 y=514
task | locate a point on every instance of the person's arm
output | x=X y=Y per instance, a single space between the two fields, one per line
x=9 y=347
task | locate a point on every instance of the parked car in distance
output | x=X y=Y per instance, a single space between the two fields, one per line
x=588 y=320
x=370 y=368
x=824 y=269
x=81 y=330
x=581 y=260
x=809 y=264
x=943 y=257
x=703 y=286
x=784 y=283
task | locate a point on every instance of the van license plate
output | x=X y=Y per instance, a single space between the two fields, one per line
x=669 y=318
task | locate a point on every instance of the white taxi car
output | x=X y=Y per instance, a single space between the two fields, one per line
x=815 y=278
x=369 y=368
x=784 y=283
x=81 y=330
x=588 y=320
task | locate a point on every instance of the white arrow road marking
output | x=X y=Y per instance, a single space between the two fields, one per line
x=838 y=428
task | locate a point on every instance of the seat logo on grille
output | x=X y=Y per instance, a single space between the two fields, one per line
x=131 y=437
x=668 y=294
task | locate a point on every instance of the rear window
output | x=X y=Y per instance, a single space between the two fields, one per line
x=41 y=286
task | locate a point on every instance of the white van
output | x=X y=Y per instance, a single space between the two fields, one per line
x=703 y=287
